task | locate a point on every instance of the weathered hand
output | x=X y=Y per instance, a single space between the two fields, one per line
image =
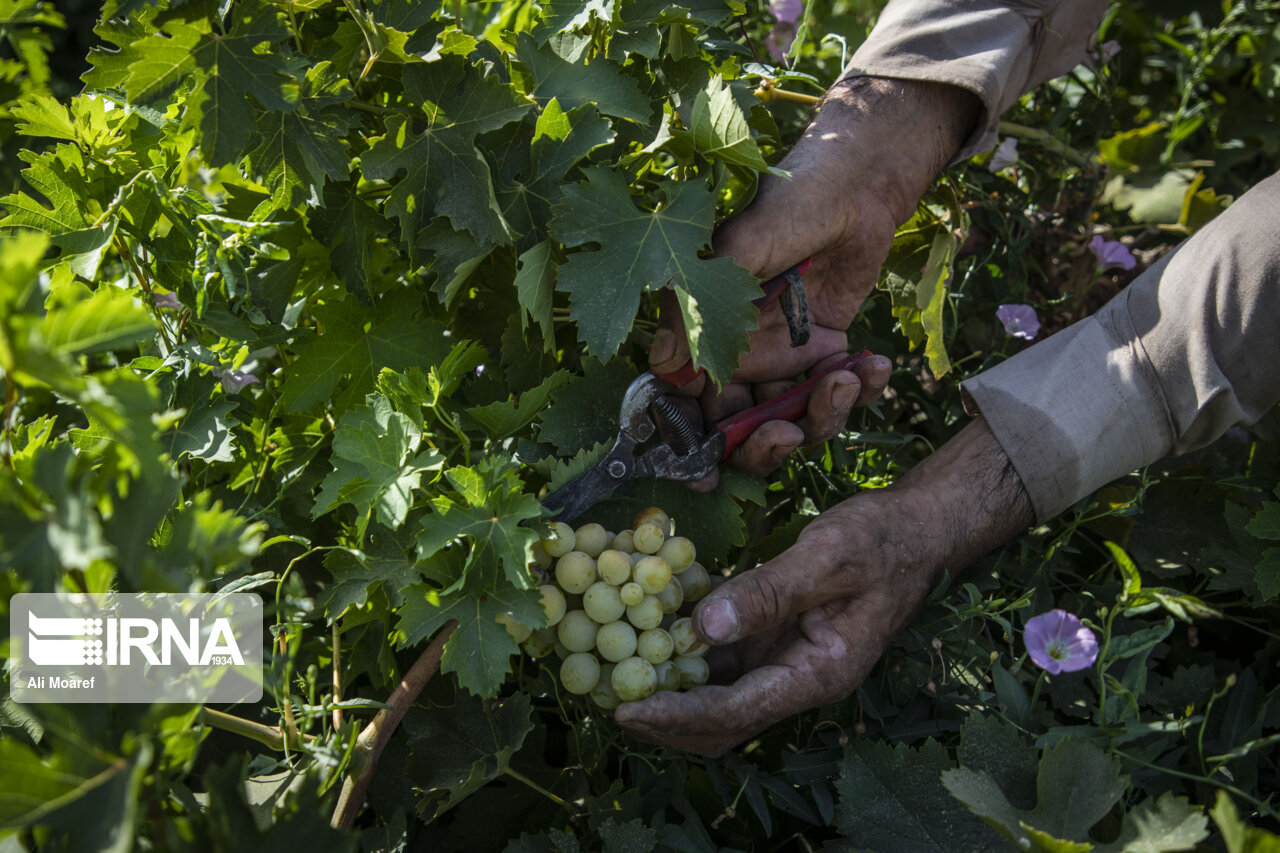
x=857 y=173
x=806 y=628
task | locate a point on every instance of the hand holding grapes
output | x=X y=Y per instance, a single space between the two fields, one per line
x=806 y=628
x=856 y=174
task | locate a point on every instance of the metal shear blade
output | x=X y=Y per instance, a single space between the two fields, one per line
x=622 y=463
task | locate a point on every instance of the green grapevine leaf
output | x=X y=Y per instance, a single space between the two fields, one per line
x=471 y=743
x=891 y=799
x=720 y=127
x=1266 y=523
x=1077 y=784
x=1169 y=823
x=372 y=470
x=350 y=227
x=354 y=347
x=931 y=299
x=444 y=171
x=480 y=649
x=639 y=251
x=599 y=82
x=384 y=565
x=1267 y=574
x=585 y=409
x=490 y=513
x=505 y=417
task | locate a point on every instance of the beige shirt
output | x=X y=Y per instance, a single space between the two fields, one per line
x=1187 y=350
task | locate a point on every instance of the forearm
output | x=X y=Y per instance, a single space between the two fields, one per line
x=995 y=50
x=1186 y=351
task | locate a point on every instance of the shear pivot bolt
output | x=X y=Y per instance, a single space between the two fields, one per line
x=617 y=469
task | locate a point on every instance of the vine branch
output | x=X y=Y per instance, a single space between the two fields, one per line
x=373 y=740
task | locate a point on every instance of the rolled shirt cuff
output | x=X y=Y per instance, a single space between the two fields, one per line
x=996 y=50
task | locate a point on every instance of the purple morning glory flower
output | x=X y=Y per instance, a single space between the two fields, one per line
x=234 y=380
x=1111 y=253
x=1059 y=642
x=1019 y=320
x=168 y=301
x=787 y=14
x=1006 y=155
x=1107 y=51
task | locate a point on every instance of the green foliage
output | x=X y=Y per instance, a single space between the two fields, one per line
x=314 y=298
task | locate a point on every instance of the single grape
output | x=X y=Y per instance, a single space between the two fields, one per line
x=652 y=573
x=645 y=615
x=687 y=640
x=518 y=630
x=678 y=552
x=653 y=515
x=591 y=539
x=695 y=581
x=539 y=646
x=668 y=675
x=603 y=603
x=671 y=596
x=649 y=538
x=541 y=559
x=553 y=603
x=614 y=567
x=561 y=540
x=580 y=673
x=616 y=641
x=654 y=645
x=631 y=593
x=634 y=679
x=603 y=694
x=693 y=671
x=624 y=542
x=577 y=632
x=561 y=651
x=575 y=571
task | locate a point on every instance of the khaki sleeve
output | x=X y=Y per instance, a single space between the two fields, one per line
x=997 y=50
x=1186 y=351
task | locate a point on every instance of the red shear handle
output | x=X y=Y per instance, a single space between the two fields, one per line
x=772 y=290
x=790 y=406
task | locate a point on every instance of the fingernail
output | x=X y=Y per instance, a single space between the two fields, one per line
x=842 y=396
x=719 y=621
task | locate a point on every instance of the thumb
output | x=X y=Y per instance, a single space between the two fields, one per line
x=797 y=580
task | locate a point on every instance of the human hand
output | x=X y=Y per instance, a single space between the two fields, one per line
x=857 y=173
x=805 y=628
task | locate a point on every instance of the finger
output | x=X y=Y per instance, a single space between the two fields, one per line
x=873 y=375
x=767 y=447
x=772 y=357
x=830 y=403
x=712 y=719
x=810 y=573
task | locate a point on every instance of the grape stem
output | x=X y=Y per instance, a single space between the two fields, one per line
x=375 y=736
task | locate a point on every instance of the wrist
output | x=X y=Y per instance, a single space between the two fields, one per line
x=896 y=135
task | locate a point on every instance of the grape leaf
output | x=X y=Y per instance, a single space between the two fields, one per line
x=205 y=432
x=891 y=799
x=371 y=464
x=1076 y=785
x=353 y=346
x=1266 y=523
x=535 y=285
x=471 y=742
x=480 y=649
x=493 y=505
x=444 y=171
x=1267 y=574
x=294 y=152
x=384 y=564
x=584 y=410
x=531 y=177
x=350 y=227
x=720 y=127
x=640 y=250
x=598 y=82
x=1161 y=825
x=505 y=417
x=232 y=71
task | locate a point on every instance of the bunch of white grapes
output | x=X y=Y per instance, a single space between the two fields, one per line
x=612 y=609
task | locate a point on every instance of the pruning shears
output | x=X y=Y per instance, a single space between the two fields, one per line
x=683 y=456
